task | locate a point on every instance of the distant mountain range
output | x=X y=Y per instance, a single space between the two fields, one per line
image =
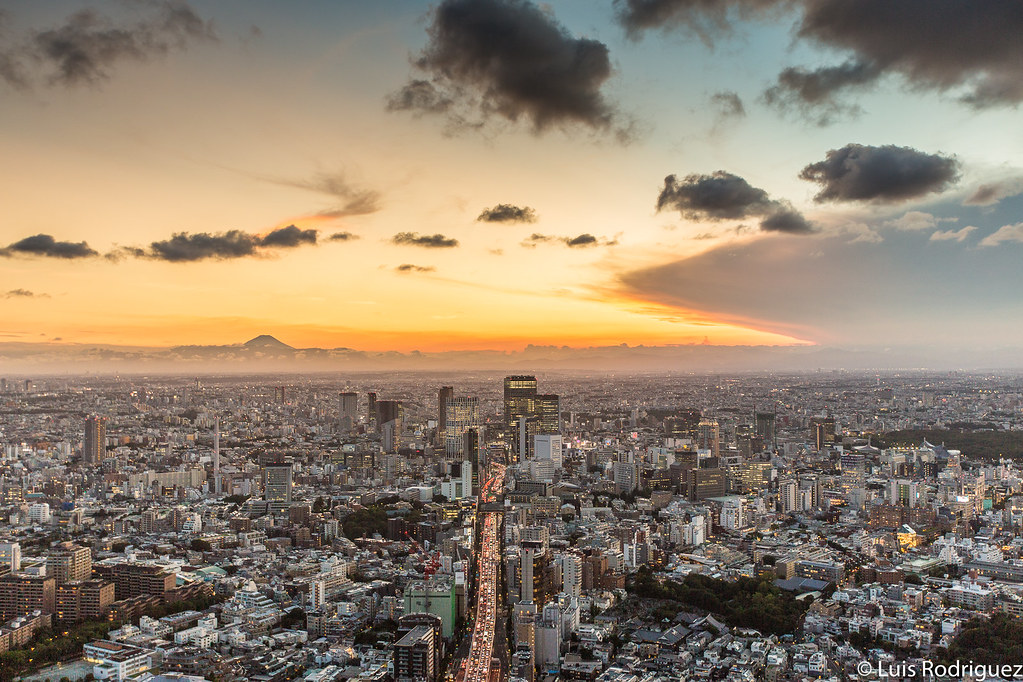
x=265 y=353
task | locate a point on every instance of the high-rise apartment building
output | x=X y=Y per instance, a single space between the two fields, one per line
x=277 y=482
x=94 y=445
x=68 y=562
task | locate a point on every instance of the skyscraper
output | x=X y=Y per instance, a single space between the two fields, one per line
x=519 y=398
x=765 y=428
x=444 y=394
x=95 y=444
x=348 y=410
x=463 y=414
x=548 y=408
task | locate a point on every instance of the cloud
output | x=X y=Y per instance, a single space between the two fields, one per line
x=23 y=293
x=46 y=246
x=184 y=247
x=354 y=200
x=512 y=60
x=342 y=237
x=409 y=267
x=87 y=46
x=703 y=17
x=991 y=193
x=430 y=241
x=507 y=213
x=953 y=235
x=1004 y=234
x=728 y=105
x=288 y=237
x=787 y=220
x=726 y=196
x=935 y=44
x=582 y=241
x=914 y=221
x=886 y=174
x=813 y=93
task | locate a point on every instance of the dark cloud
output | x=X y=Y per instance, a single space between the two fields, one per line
x=993 y=192
x=728 y=104
x=582 y=241
x=24 y=293
x=510 y=59
x=880 y=174
x=725 y=196
x=430 y=241
x=342 y=237
x=719 y=196
x=421 y=97
x=814 y=93
x=704 y=17
x=288 y=237
x=787 y=220
x=937 y=44
x=184 y=247
x=46 y=246
x=87 y=46
x=409 y=267
x=507 y=213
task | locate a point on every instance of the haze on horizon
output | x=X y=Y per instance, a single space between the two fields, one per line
x=490 y=174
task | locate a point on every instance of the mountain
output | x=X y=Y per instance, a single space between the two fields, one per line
x=265 y=342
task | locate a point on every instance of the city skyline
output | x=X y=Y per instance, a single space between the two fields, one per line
x=487 y=175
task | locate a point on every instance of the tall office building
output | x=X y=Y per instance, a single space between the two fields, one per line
x=371 y=407
x=519 y=398
x=94 y=446
x=390 y=423
x=277 y=482
x=548 y=409
x=709 y=436
x=765 y=428
x=823 y=432
x=548 y=447
x=348 y=410
x=445 y=394
x=463 y=415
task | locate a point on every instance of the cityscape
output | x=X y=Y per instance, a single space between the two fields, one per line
x=511 y=341
x=522 y=527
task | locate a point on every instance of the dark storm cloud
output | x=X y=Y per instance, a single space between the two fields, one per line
x=703 y=17
x=815 y=92
x=509 y=58
x=288 y=237
x=939 y=44
x=507 y=213
x=429 y=241
x=582 y=241
x=725 y=196
x=46 y=246
x=184 y=247
x=880 y=174
x=409 y=267
x=87 y=46
x=342 y=237
x=728 y=104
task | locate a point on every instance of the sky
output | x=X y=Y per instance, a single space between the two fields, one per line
x=487 y=174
